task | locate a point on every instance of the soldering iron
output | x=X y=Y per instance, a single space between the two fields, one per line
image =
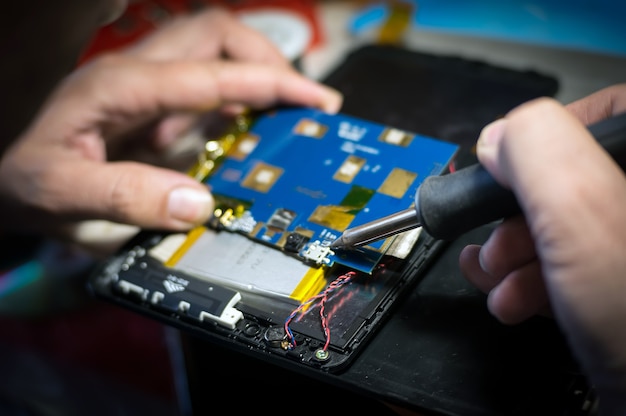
x=449 y=205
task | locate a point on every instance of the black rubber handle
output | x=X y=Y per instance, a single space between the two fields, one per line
x=452 y=204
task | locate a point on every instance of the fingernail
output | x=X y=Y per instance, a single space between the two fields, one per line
x=190 y=205
x=486 y=146
x=491 y=133
x=332 y=103
x=481 y=261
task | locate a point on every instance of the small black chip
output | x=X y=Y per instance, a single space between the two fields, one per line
x=295 y=242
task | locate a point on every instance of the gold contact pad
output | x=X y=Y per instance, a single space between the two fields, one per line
x=244 y=146
x=349 y=169
x=396 y=137
x=397 y=183
x=310 y=128
x=262 y=177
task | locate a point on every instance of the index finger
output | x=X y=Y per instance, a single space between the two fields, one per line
x=600 y=105
x=119 y=88
x=211 y=33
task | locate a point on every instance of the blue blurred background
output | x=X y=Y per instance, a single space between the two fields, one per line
x=588 y=25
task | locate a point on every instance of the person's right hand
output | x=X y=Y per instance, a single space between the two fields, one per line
x=567 y=254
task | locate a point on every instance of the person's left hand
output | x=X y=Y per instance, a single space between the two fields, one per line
x=60 y=172
x=214 y=34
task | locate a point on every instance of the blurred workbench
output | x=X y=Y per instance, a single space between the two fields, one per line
x=580 y=71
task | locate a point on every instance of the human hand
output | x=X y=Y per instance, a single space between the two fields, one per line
x=60 y=172
x=566 y=254
x=213 y=34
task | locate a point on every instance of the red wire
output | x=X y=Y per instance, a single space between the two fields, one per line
x=324 y=296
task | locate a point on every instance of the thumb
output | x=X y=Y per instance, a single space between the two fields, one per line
x=136 y=194
x=488 y=147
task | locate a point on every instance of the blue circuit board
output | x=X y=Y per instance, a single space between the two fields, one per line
x=299 y=177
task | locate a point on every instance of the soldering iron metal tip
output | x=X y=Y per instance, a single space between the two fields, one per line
x=338 y=244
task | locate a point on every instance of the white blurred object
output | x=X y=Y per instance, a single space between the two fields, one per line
x=289 y=31
x=101 y=238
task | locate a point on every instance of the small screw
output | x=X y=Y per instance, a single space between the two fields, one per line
x=322 y=355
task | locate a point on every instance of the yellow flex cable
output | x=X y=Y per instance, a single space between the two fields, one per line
x=399 y=19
